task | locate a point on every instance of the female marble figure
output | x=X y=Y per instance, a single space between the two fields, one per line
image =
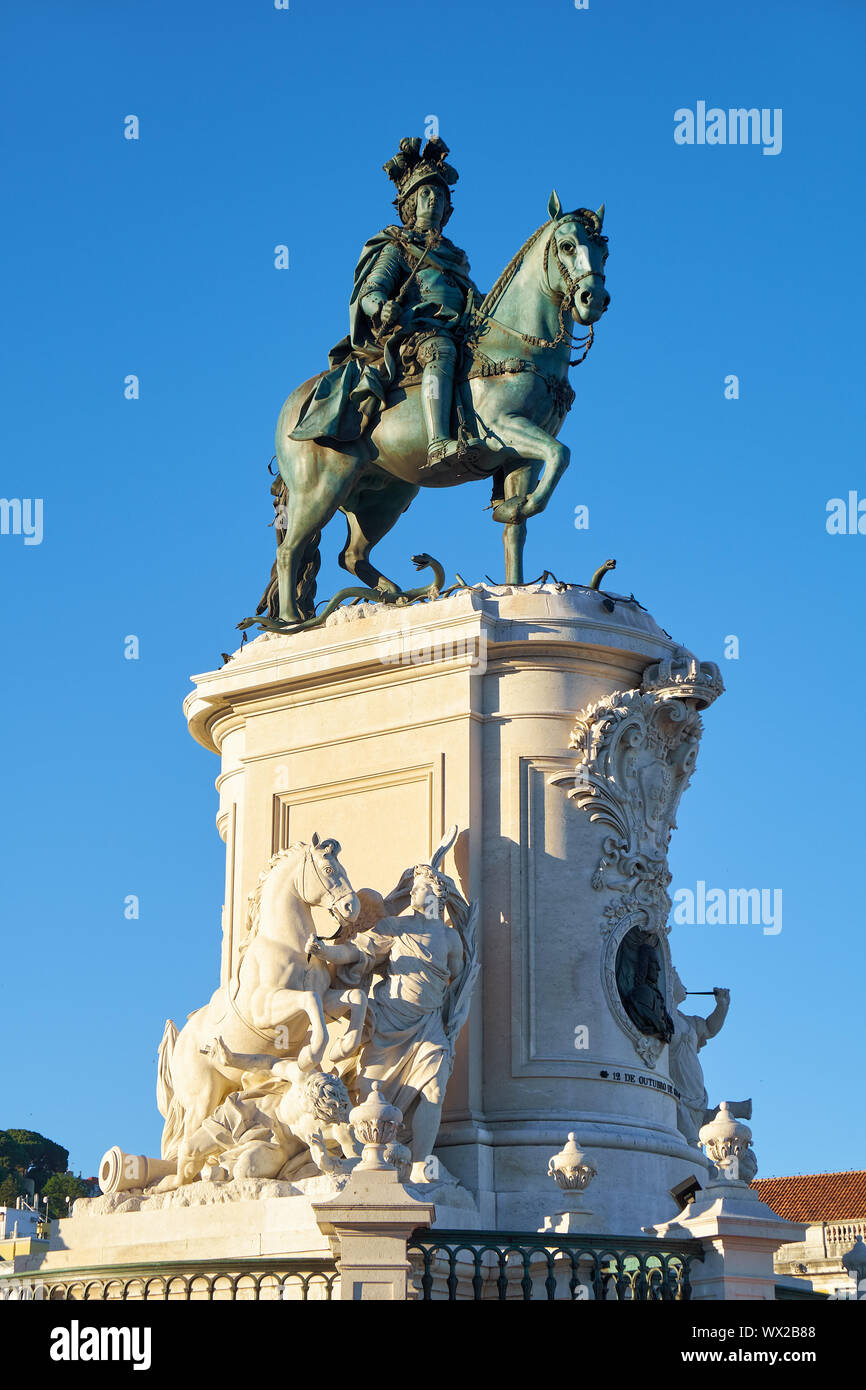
x=417 y=1005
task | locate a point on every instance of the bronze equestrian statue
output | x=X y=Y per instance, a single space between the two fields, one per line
x=434 y=385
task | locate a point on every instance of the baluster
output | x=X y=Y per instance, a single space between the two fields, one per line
x=526 y=1281
x=452 y=1276
x=598 y=1286
x=502 y=1281
x=550 y=1281
x=427 y=1276
x=477 y=1278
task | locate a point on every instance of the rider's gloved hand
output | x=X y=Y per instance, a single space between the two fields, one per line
x=390 y=313
x=372 y=304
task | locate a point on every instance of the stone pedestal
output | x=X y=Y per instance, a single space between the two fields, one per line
x=263 y=1224
x=740 y=1234
x=570 y=1217
x=387 y=725
x=369 y=1224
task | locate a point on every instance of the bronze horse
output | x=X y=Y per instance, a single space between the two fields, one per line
x=512 y=395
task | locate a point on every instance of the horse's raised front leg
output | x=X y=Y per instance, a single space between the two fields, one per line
x=286 y=1004
x=354 y=1003
x=531 y=443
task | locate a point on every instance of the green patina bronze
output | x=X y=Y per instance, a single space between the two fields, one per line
x=355 y=594
x=434 y=385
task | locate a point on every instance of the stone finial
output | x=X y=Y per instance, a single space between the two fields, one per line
x=854 y=1261
x=375 y=1124
x=726 y=1141
x=571 y=1169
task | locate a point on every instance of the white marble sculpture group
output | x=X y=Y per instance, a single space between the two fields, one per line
x=261 y=1080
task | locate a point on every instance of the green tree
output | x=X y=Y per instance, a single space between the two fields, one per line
x=60 y=1186
x=31 y=1155
x=11 y=1188
x=12 y=1156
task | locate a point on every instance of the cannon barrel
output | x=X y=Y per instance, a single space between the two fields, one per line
x=119 y=1171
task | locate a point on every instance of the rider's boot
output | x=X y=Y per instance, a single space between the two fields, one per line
x=437 y=392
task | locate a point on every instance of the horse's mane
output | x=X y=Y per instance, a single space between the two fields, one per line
x=494 y=295
x=254 y=901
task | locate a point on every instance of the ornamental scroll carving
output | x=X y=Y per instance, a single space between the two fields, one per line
x=636 y=754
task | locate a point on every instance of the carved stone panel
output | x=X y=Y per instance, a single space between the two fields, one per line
x=636 y=754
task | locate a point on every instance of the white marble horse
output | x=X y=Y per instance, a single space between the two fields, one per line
x=277 y=1003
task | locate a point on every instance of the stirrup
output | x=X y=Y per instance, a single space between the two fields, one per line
x=443 y=449
x=440 y=450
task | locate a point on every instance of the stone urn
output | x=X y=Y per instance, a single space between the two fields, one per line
x=725 y=1141
x=571 y=1169
x=375 y=1125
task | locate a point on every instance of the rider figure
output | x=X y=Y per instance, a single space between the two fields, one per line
x=412 y=291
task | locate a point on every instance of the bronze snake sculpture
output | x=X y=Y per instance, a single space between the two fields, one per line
x=357 y=595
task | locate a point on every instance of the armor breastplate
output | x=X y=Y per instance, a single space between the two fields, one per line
x=435 y=287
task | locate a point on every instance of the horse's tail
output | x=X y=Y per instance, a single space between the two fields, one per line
x=169 y=1106
x=307 y=571
x=269 y=603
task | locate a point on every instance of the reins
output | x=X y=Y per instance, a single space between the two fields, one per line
x=563 y=335
x=331 y=895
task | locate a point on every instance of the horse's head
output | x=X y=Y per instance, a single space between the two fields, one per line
x=326 y=883
x=574 y=259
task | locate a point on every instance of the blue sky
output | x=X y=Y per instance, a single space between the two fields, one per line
x=156 y=257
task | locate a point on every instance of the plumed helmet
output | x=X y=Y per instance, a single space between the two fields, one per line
x=411 y=167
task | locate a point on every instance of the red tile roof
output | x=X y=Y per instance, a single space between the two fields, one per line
x=816 y=1196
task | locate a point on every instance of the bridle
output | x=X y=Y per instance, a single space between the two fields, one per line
x=566 y=303
x=572 y=281
x=330 y=894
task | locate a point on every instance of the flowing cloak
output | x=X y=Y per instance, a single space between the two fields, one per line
x=410 y=1048
x=253 y=1118
x=362 y=369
